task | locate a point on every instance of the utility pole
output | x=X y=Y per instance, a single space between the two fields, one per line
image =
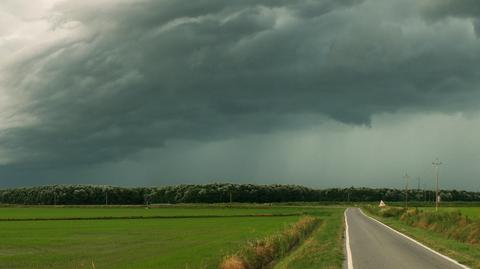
x=406 y=177
x=436 y=163
x=418 y=189
x=106 y=197
x=424 y=194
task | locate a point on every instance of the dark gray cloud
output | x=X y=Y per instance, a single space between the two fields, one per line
x=442 y=9
x=133 y=75
x=438 y=9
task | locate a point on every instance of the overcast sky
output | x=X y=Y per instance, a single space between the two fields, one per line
x=327 y=93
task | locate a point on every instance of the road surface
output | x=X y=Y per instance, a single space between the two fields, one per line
x=373 y=245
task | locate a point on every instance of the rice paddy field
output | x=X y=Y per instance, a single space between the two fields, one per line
x=136 y=237
x=87 y=212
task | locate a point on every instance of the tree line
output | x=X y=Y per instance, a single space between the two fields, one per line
x=214 y=193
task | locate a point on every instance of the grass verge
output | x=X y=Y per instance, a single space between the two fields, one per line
x=261 y=253
x=324 y=249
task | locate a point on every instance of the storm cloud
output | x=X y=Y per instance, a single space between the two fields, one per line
x=89 y=82
x=439 y=9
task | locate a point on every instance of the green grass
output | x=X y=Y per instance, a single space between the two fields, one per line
x=324 y=249
x=261 y=253
x=92 y=212
x=471 y=212
x=171 y=243
x=137 y=243
x=431 y=204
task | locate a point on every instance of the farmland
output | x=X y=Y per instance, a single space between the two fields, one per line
x=159 y=211
x=181 y=237
x=471 y=212
x=190 y=235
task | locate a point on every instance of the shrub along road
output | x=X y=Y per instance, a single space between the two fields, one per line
x=374 y=245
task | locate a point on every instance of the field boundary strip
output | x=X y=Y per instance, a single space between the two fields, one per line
x=152 y=217
x=263 y=253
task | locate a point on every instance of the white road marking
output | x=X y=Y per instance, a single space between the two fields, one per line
x=347 y=243
x=418 y=243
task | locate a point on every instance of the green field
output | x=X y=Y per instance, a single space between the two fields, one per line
x=185 y=242
x=171 y=211
x=470 y=209
x=471 y=212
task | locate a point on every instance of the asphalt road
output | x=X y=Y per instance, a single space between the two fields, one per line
x=372 y=245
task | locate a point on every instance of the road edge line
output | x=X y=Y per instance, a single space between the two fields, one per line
x=418 y=243
x=347 y=243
